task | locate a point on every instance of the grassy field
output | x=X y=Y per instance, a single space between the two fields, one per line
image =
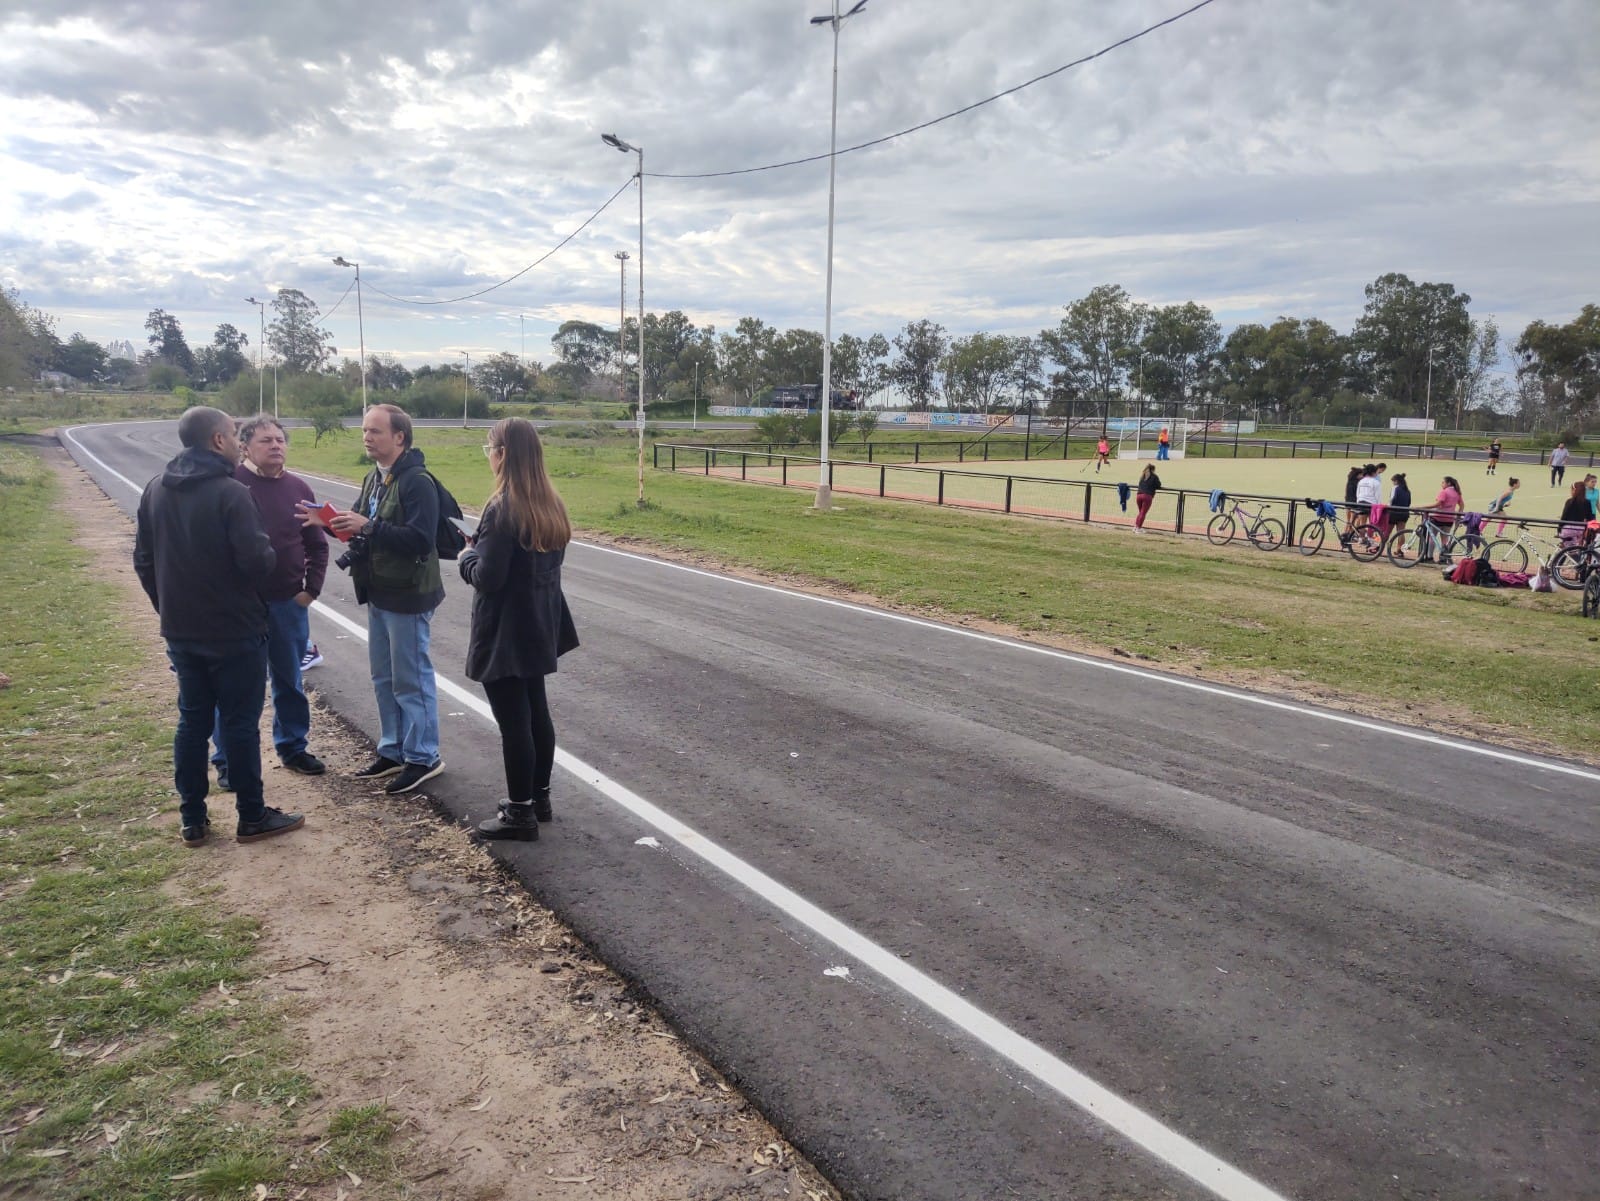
x=30 y=412
x=1508 y=662
x=133 y=1062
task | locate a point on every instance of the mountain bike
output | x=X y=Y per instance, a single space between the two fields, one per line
x=1265 y=533
x=1364 y=540
x=1429 y=542
x=1573 y=566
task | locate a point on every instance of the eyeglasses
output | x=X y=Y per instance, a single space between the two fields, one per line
x=489 y=449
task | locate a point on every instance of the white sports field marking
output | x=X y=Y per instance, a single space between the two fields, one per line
x=1140 y=1128
x=1106 y=665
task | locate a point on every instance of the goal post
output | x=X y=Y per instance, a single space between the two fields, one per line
x=1140 y=437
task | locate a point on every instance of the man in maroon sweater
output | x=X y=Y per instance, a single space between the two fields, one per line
x=295 y=582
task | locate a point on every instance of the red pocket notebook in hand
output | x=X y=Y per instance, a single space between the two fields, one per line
x=328 y=513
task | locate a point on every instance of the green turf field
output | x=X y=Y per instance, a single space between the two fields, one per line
x=1054 y=486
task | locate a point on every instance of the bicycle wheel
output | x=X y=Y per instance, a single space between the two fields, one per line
x=1366 y=543
x=1506 y=555
x=1220 y=529
x=1569 y=567
x=1311 y=537
x=1591 y=595
x=1406 y=547
x=1464 y=546
x=1267 y=534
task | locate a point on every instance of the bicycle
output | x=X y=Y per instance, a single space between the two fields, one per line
x=1428 y=542
x=1574 y=565
x=1514 y=554
x=1265 y=533
x=1364 y=540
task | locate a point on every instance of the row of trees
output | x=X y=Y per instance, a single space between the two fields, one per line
x=1415 y=349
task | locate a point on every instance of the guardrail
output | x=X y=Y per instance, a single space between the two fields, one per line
x=1177 y=510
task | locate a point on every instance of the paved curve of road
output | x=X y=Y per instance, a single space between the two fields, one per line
x=973 y=919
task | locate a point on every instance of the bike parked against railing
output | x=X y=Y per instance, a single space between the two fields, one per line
x=1514 y=554
x=1364 y=540
x=1265 y=533
x=1429 y=542
x=1574 y=564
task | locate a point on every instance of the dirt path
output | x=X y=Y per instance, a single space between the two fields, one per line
x=413 y=971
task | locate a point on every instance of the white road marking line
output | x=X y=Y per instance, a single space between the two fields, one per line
x=1107 y=665
x=1159 y=1140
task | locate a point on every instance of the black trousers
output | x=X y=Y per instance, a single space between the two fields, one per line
x=527 y=734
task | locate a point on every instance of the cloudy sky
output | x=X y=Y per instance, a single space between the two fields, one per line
x=1263 y=157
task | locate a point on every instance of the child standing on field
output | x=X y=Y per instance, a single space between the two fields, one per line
x=1501 y=503
x=1102 y=454
x=1494 y=456
x=1149 y=485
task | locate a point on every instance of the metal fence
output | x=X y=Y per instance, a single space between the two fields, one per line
x=1176 y=510
x=1012 y=448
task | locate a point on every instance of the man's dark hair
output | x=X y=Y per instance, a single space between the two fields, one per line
x=399 y=422
x=250 y=428
x=200 y=424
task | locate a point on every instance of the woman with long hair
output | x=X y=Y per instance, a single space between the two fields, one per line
x=520 y=620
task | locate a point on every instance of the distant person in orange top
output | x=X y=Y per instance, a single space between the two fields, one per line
x=1102 y=455
x=1164 y=444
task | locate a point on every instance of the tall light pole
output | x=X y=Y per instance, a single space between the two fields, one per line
x=261 y=382
x=466 y=386
x=1427 y=404
x=522 y=357
x=622 y=318
x=616 y=143
x=824 y=492
x=361 y=326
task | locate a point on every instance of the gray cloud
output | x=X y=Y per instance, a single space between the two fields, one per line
x=1260 y=158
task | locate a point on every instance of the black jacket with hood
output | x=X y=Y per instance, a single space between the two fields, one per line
x=201 y=552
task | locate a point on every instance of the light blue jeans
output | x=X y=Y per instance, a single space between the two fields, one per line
x=402 y=680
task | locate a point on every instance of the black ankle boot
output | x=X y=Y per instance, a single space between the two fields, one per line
x=541 y=804
x=514 y=821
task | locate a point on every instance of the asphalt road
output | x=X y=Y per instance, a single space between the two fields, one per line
x=971 y=919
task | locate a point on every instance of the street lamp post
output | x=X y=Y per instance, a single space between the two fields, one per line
x=261 y=383
x=522 y=357
x=466 y=386
x=622 y=318
x=361 y=326
x=1427 y=403
x=616 y=143
x=824 y=491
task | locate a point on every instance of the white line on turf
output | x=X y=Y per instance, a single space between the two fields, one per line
x=1140 y=1128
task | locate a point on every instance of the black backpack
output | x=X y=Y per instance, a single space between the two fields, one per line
x=447 y=539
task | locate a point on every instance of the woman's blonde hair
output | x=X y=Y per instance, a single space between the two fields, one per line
x=528 y=500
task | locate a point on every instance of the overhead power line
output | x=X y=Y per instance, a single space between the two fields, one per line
x=519 y=274
x=817 y=158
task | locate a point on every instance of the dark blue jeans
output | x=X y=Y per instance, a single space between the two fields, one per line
x=222 y=683
x=288 y=632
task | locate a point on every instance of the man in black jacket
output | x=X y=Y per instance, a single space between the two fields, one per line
x=200 y=552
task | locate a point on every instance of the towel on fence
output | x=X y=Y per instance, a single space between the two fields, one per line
x=1472 y=523
x=1324 y=509
x=1379 y=516
x=1122 y=496
x=1217 y=497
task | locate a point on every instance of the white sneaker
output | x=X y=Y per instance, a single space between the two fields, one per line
x=313 y=658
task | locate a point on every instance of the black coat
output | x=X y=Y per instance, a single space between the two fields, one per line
x=520 y=619
x=200 y=551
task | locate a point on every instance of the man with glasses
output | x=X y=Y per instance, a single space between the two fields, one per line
x=295 y=582
x=393 y=560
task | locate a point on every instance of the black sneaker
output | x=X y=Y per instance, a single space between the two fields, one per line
x=194 y=836
x=305 y=763
x=413 y=774
x=272 y=823
x=379 y=768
